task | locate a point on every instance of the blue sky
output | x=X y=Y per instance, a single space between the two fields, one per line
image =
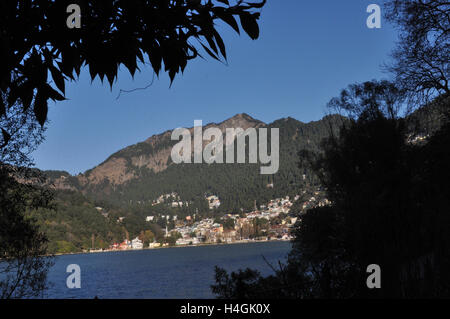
x=307 y=52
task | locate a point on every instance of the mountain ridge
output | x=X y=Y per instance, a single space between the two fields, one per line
x=141 y=172
x=142 y=154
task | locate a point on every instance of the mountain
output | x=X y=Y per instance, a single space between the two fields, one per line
x=111 y=201
x=152 y=154
x=139 y=173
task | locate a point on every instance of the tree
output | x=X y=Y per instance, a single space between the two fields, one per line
x=21 y=134
x=387 y=192
x=172 y=238
x=23 y=266
x=370 y=98
x=147 y=237
x=421 y=58
x=35 y=42
x=228 y=224
x=39 y=54
x=388 y=208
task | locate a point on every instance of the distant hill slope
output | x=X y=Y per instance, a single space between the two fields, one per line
x=141 y=172
x=127 y=182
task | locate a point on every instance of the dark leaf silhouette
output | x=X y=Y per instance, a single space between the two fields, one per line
x=250 y=25
x=41 y=108
x=6 y=137
x=228 y=18
x=113 y=33
x=58 y=78
x=2 y=106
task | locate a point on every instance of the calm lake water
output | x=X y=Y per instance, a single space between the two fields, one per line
x=185 y=272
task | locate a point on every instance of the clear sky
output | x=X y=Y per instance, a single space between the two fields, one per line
x=307 y=52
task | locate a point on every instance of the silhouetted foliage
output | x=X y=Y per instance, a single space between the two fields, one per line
x=370 y=99
x=21 y=135
x=390 y=199
x=36 y=42
x=421 y=58
x=23 y=265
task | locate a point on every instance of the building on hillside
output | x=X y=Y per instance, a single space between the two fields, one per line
x=187 y=241
x=213 y=201
x=126 y=244
x=177 y=204
x=229 y=236
x=154 y=245
x=137 y=244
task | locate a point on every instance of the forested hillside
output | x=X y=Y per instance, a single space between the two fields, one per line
x=237 y=185
x=87 y=207
x=71 y=225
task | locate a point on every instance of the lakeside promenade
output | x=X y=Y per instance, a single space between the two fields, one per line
x=237 y=242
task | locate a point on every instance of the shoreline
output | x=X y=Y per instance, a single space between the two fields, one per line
x=176 y=246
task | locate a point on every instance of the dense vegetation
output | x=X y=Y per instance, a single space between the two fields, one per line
x=237 y=185
x=386 y=174
x=40 y=51
x=23 y=269
x=75 y=220
x=390 y=208
x=72 y=221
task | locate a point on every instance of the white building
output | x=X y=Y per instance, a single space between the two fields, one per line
x=154 y=245
x=137 y=243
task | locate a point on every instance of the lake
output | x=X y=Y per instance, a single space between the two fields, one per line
x=179 y=272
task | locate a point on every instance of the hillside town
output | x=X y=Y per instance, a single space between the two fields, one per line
x=272 y=221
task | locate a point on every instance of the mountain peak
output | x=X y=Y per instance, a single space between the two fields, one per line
x=137 y=161
x=241 y=120
x=243 y=116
